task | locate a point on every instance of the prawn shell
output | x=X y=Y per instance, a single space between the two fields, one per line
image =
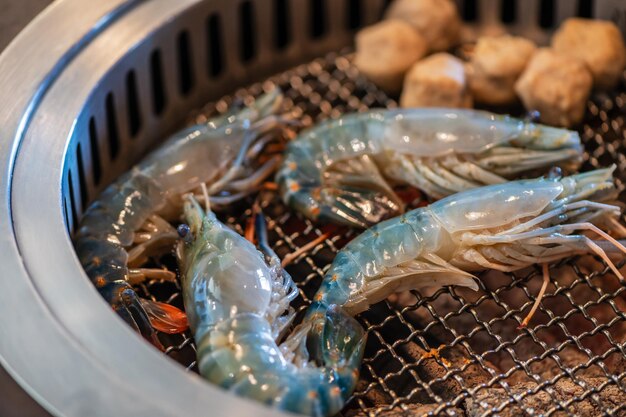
x=343 y=170
x=496 y=205
x=439 y=131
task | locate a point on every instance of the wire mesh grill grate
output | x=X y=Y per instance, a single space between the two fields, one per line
x=455 y=351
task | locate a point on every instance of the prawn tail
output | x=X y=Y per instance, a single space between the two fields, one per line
x=126 y=303
x=263 y=107
x=165 y=317
x=242 y=356
x=268 y=103
x=335 y=343
x=353 y=193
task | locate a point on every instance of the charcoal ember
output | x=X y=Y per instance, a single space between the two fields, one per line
x=437 y=364
x=610 y=397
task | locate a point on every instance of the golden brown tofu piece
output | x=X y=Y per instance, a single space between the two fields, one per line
x=495 y=65
x=437 y=20
x=598 y=43
x=556 y=85
x=437 y=81
x=386 y=50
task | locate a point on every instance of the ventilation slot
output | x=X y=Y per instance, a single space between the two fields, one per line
x=469 y=11
x=134 y=115
x=69 y=223
x=95 y=152
x=585 y=8
x=156 y=76
x=318 y=19
x=386 y=4
x=214 y=42
x=354 y=14
x=508 y=11
x=81 y=178
x=246 y=23
x=185 y=72
x=546 y=14
x=281 y=24
x=113 y=134
x=70 y=186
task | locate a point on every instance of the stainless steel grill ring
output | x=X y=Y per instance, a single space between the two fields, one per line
x=85 y=90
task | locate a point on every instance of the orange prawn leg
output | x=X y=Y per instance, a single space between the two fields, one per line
x=546 y=280
x=250 y=230
x=139 y=275
x=270 y=186
x=164 y=317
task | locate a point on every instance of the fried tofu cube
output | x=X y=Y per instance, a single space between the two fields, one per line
x=386 y=50
x=556 y=85
x=437 y=81
x=495 y=65
x=597 y=43
x=437 y=20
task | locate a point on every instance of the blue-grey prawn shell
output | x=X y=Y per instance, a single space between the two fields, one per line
x=229 y=293
x=506 y=227
x=343 y=170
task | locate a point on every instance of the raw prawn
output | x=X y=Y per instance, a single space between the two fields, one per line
x=339 y=170
x=131 y=210
x=505 y=227
x=237 y=302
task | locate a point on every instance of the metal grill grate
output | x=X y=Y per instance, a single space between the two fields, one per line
x=457 y=352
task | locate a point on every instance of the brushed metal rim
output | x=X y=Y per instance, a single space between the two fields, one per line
x=57 y=344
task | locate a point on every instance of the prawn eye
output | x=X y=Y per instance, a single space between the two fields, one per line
x=555 y=173
x=532 y=116
x=184 y=231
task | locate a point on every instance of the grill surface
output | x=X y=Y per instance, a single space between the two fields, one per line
x=455 y=351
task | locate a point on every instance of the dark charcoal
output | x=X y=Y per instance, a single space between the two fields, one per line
x=567 y=393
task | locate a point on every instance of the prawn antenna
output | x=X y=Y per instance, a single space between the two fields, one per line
x=261 y=232
x=205 y=193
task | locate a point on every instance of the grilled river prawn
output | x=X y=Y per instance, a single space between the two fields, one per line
x=237 y=301
x=505 y=227
x=340 y=170
x=130 y=210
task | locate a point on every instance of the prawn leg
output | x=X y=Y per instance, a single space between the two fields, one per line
x=280 y=299
x=138 y=275
x=158 y=237
x=542 y=291
x=253 y=181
